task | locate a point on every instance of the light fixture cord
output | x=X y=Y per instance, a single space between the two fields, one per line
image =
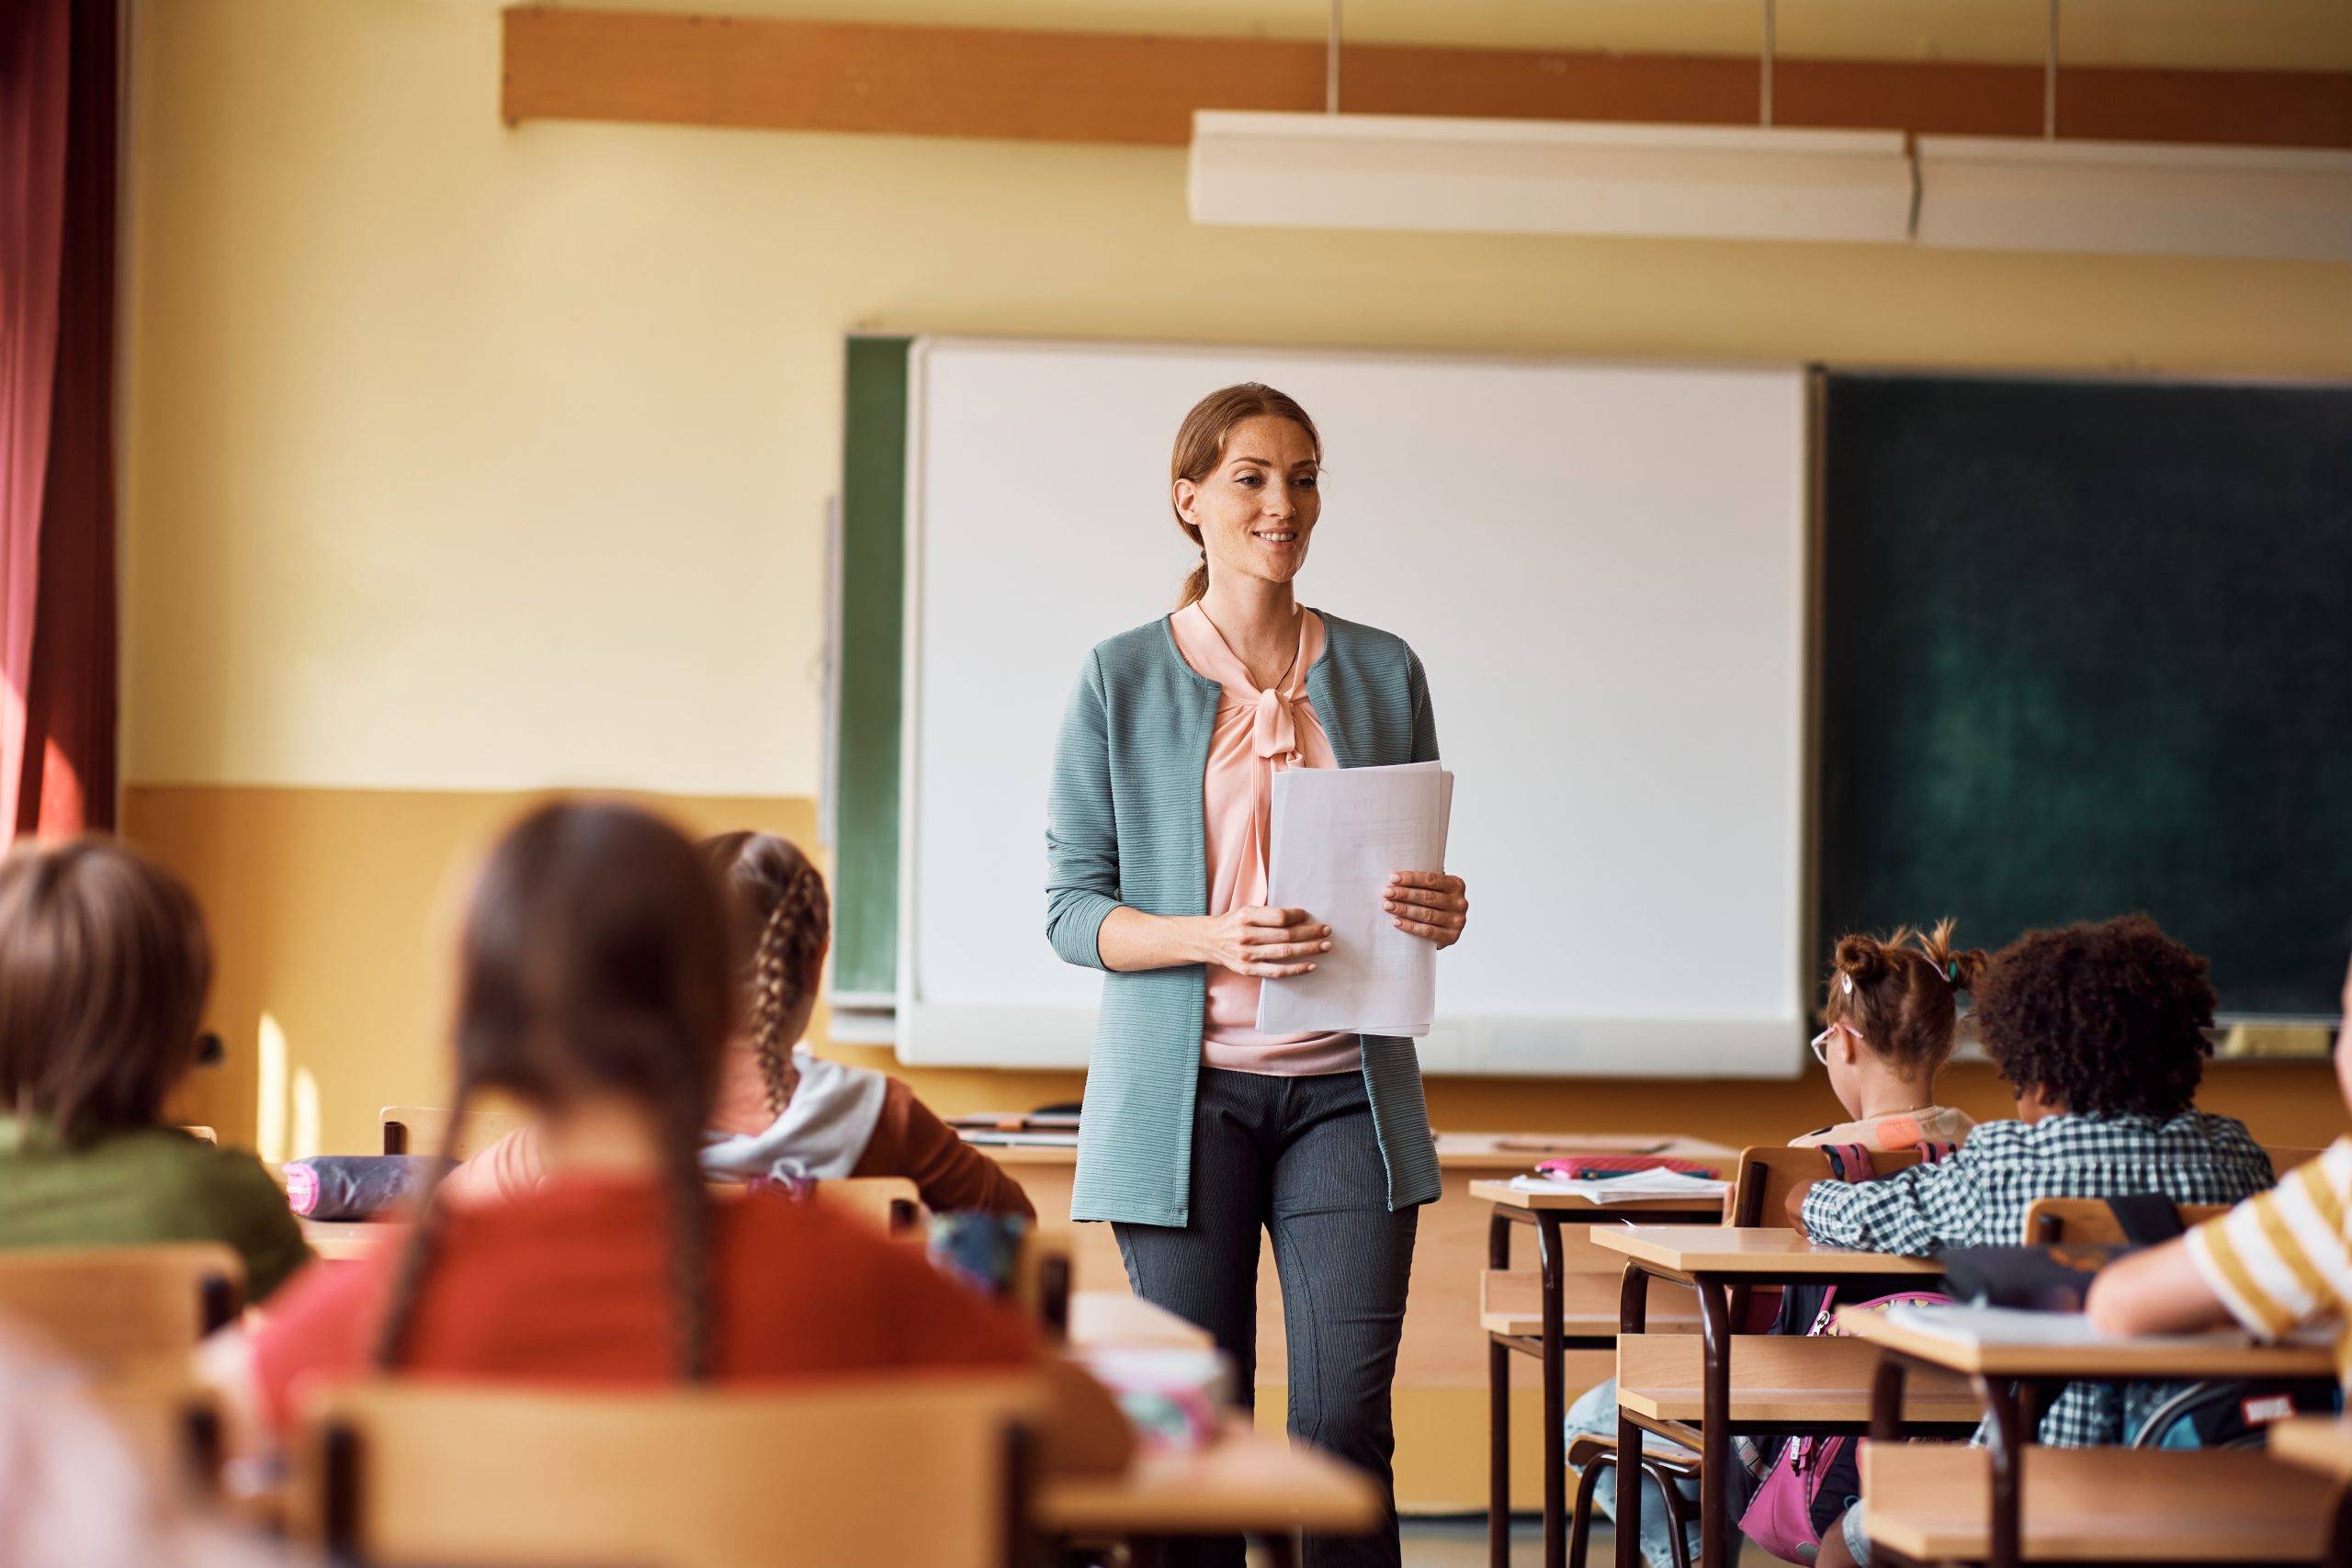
x=2050 y=77
x=1331 y=64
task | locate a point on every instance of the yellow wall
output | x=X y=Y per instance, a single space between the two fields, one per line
x=464 y=461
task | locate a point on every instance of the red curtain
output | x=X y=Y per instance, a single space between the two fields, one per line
x=58 y=123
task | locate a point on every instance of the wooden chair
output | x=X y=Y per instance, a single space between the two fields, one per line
x=418 y=1129
x=890 y=1202
x=2089 y=1221
x=392 y=1475
x=2285 y=1158
x=172 y=1422
x=1768 y=1173
x=119 y=1310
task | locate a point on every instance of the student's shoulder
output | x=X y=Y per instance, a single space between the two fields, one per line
x=1993 y=1140
x=807 y=1245
x=210 y=1178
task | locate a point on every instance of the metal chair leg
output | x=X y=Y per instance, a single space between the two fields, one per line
x=1580 y=1515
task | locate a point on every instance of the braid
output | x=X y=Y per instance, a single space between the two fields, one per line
x=690 y=1250
x=424 y=1237
x=782 y=970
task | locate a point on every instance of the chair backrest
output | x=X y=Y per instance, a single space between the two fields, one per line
x=120 y=1309
x=886 y=1470
x=2285 y=1158
x=418 y=1129
x=171 y=1421
x=891 y=1203
x=1769 y=1172
x=2089 y=1221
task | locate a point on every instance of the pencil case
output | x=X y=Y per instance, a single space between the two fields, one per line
x=358 y=1186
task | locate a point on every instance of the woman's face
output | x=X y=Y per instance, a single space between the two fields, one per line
x=1258 y=507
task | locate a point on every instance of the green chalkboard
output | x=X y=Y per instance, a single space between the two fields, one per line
x=866 y=711
x=2087 y=648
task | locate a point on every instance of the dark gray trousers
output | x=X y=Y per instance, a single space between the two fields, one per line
x=1297 y=1157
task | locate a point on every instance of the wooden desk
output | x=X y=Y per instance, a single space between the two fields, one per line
x=2005 y=1376
x=1246 y=1482
x=1930 y=1501
x=1105 y=1318
x=1442 y=1391
x=344 y=1240
x=1550 y=1340
x=1711 y=1259
x=2322 y=1445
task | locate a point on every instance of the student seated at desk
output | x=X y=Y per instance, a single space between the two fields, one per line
x=2277 y=1261
x=596 y=986
x=782 y=1110
x=1891 y=1013
x=104 y=967
x=2099 y=1029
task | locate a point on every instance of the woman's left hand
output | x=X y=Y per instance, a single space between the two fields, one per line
x=1428 y=902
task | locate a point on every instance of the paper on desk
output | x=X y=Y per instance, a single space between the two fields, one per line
x=1639 y=1187
x=2062 y=1330
x=1339 y=833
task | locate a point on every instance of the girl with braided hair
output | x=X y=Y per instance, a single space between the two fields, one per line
x=782 y=1112
x=596 y=986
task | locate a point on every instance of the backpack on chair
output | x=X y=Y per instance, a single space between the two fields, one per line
x=2216 y=1413
x=1808 y=1483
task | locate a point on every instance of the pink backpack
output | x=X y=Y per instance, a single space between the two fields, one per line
x=1809 y=1482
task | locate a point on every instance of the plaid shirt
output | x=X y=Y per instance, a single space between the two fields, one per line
x=1978 y=1198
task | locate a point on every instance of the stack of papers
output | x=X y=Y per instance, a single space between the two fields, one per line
x=1639 y=1187
x=1338 y=834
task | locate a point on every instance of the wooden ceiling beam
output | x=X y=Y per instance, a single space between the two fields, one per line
x=784 y=74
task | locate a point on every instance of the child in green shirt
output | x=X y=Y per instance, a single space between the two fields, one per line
x=104 y=968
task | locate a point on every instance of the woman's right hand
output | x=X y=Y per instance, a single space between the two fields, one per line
x=1272 y=944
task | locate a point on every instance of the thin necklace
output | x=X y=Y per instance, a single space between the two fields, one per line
x=1295 y=642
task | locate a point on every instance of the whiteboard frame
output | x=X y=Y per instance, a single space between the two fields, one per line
x=1491 y=1045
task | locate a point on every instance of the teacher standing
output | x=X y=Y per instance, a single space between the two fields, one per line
x=1199 y=1131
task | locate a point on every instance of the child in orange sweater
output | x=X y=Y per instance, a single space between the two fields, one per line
x=781 y=1110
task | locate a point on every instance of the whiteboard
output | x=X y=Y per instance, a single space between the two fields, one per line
x=1602 y=567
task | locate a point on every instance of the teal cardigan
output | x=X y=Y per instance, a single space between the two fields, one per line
x=1123 y=825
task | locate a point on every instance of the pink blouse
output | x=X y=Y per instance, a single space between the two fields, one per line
x=1257 y=734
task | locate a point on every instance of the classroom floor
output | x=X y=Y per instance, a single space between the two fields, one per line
x=1462 y=1543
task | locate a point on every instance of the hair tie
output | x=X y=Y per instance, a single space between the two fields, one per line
x=1847 y=981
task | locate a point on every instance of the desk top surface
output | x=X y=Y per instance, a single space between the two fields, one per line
x=2156 y=1357
x=1246 y=1481
x=1764 y=1253
x=1507 y=1152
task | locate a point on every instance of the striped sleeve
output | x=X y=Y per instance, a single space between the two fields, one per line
x=2282 y=1257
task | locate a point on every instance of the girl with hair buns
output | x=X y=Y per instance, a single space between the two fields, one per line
x=782 y=1112
x=596 y=986
x=1891 y=1011
x=1891 y=1015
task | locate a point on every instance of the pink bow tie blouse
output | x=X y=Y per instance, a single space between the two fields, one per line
x=1257 y=734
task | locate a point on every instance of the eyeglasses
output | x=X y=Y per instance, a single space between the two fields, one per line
x=1821 y=1041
